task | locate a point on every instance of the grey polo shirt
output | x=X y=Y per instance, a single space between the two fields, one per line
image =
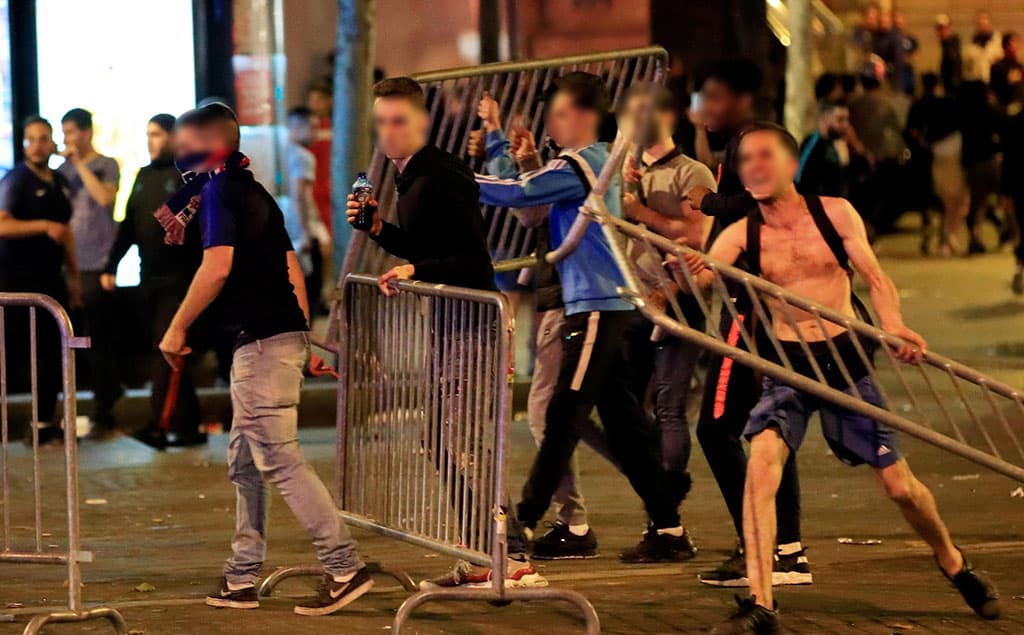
x=665 y=182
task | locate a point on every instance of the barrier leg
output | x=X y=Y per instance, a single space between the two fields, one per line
x=591 y=620
x=116 y=620
x=374 y=568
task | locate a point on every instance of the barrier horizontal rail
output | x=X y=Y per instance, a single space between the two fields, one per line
x=520 y=89
x=23 y=309
x=981 y=419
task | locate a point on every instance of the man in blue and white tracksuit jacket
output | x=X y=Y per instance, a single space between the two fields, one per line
x=592 y=371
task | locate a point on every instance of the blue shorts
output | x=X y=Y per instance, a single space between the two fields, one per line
x=853 y=438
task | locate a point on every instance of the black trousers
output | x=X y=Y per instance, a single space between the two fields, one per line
x=1018 y=211
x=730 y=392
x=593 y=373
x=18 y=344
x=98 y=319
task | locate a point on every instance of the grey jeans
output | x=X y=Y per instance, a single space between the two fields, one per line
x=548 y=361
x=266 y=381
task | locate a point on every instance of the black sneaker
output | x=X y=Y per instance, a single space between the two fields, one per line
x=977 y=590
x=750 y=618
x=332 y=595
x=792 y=569
x=225 y=598
x=655 y=547
x=559 y=543
x=731 y=573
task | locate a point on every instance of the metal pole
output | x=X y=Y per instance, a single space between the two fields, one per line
x=353 y=76
x=490 y=30
x=799 y=109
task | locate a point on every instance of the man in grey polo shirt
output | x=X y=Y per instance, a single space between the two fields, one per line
x=656 y=197
x=92 y=180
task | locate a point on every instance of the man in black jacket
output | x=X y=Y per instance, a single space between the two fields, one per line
x=166 y=271
x=440 y=229
x=731 y=390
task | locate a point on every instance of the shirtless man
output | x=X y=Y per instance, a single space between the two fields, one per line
x=794 y=254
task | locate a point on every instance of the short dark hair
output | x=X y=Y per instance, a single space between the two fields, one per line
x=1009 y=36
x=164 y=120
x=787 y=140
x=586 y=90
x=930 y=81
x=825 y=84
x=81 y=117
x=401 y=88
x=826 y=106
x=34 y=119
x=299 y=112
x=323 y=85
x=663 y=99
x=740 y=75
x=213 y=114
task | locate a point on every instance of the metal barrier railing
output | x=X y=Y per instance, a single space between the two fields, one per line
x=34 y=551
x=424 y=409
x=520 y=89
x=978 y=417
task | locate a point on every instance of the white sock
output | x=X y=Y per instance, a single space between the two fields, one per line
x=345 y=578
x=790 y=548
x=579 y=530
x=672 y=531
x=239 y=587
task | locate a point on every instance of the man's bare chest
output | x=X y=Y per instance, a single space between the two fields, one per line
x=790 y=255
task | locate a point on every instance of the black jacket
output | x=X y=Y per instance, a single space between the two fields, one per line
x=732 y=201
x=440 y=227
x=154 y=184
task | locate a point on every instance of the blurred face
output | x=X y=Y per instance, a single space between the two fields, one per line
x=944 y=31
x=722 y=109
x=766 y=168
x=872 y=17
x=300 y=130
x=661 y=123
x=320 y=103
x=190 y=140
x=885 y=21
x=401 y=126
x=1012 y=47
x=75 y=137
x=899 y=19
x=158 y=141
x=38 y=144
x=837 y=123
x=569 y=126
x=983 y=22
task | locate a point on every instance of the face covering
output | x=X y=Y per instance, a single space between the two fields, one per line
x=196 y=170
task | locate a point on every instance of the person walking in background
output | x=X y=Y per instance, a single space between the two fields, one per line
x=93 y=180
x=320 y=100
x=164 y=276
x=828 y=163
x=908 y=44
x=1007 y=75
x=951 y=65
x=310 y=238
x=37 y=255
x=1013 y=183
x=980 y=121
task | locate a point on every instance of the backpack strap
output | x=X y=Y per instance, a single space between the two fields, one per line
x=580 y=166
x=754 y=222
x=828 y=231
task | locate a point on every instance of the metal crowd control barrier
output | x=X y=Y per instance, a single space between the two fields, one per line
x=983 y=420
x=424 y=408
x=33 y=550
x=520 y=89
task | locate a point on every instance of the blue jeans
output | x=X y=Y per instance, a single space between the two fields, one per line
x=266 y=381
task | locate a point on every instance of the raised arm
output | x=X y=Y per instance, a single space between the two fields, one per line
x=556 y=181
x=884 y=295
x=102 y=190
x=726 y=249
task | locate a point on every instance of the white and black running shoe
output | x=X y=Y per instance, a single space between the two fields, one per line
x=225 y=598
x=333 y=595
x=559 y=543
x=792 y=569
x=659 y=547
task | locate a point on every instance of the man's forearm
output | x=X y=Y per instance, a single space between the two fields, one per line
x=97 y=189
x=14 y=228
x=205 y=287
x=886 y=300
x=298 y=280
x=668 y=227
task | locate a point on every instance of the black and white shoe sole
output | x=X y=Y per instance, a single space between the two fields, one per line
x=575 y=556
x=343 y=601
x=225 y=603
x=732 y=583
x=791 y=578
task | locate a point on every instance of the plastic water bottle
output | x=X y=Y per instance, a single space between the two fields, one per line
x=362 y=190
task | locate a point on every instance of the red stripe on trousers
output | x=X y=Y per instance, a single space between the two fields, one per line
x=722 y=389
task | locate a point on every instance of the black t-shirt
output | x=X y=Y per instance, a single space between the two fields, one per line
x=258 y=300
x=27 y=197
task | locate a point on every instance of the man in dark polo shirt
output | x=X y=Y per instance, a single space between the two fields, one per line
x=254 y=285
x=36 y=249
x=440 y=229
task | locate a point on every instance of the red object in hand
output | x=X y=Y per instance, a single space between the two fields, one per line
x=171 y=399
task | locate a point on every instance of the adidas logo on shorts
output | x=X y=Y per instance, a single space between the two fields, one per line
x=883 y=450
